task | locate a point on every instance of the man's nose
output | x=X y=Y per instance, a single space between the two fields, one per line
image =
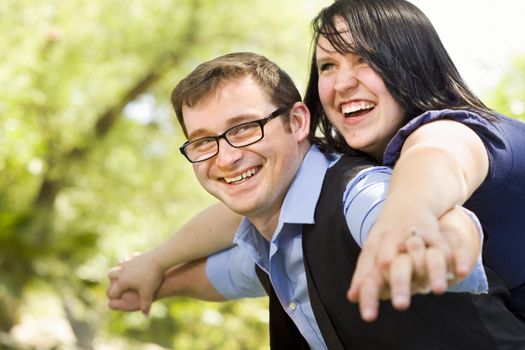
x=228 y=155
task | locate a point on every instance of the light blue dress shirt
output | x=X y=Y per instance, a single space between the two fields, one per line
x=232 y=272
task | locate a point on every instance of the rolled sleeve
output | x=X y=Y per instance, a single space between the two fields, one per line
x=363 y=200
x=232 y=274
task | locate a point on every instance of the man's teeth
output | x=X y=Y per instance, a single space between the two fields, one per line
x=357 y=107
x=244 y=175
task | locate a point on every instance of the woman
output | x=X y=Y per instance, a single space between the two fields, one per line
x=447 y=146
x=377 y=67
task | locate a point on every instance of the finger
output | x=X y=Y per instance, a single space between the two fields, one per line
x=369 y=298
x=365 y=264
x=400 y=281
x=463 y=234
x=390 y=248
x=122 y=305
x=437 y=270
x=421 y=288
x=114 y=272
x=464 y=260
x=437 y=241
x=128 y=301
x=394 y=244
x=415 y=247
x=109 y=290
x=145 y=305
x=465 y=252
x=115 y=289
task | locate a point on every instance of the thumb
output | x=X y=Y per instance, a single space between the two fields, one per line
x=145 y=304
x=115 y=290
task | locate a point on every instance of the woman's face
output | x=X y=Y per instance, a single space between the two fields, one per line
x=356 y=100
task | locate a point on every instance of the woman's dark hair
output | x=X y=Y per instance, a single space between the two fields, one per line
x=400 y=44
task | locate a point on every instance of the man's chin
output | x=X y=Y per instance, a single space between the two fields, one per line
x=244 y=209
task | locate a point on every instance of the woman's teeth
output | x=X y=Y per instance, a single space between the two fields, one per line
x=357 y=107
x=243 y=176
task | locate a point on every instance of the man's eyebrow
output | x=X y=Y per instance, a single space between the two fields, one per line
x=244 y=118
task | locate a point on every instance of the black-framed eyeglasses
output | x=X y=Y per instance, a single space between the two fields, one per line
x=238 y=136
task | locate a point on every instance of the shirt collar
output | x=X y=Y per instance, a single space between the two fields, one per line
x=302 y=196
x=301 y=200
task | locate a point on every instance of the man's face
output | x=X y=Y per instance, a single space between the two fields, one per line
x=252 y=180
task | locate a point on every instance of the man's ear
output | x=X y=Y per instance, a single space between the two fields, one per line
x=300 y=121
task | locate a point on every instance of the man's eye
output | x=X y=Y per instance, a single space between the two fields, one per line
x=242 y=130
x=203 y=143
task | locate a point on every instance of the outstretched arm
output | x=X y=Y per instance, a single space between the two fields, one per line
x=188 y=280
x=208 y=232
x=440 y=166
x=229 y=274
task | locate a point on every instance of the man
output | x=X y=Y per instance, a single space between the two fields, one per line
x=248 y=142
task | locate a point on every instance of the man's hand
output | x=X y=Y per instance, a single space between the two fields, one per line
x=128 y=301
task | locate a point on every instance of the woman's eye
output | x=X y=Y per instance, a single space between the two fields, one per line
x=359 y=61
x=325 y=66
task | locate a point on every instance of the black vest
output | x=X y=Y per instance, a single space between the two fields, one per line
x=451 y=321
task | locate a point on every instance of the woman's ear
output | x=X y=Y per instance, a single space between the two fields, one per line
x=300 y=121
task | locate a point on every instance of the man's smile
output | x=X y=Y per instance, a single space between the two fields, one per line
x=239 y=178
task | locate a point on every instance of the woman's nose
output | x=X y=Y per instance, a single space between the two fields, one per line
x=345 y=80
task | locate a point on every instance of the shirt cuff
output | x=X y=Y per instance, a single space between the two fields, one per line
x=232 y=273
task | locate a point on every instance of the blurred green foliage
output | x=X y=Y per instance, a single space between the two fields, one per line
x=89 y=166
x=509 y=96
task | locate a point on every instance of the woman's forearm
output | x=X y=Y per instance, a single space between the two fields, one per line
x=426 y=178
x=210 y=231
x=440 y=166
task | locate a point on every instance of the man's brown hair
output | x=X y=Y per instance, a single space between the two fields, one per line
x=204 y=80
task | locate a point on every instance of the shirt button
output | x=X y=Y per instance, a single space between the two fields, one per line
x=292 y=305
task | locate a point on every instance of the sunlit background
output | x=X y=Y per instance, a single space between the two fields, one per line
x=89 y=164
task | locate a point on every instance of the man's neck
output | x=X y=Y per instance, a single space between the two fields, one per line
x=266 y=222
x=266 y=225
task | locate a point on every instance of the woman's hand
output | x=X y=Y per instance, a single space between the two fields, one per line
x=139 y=274
x=418 y=267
